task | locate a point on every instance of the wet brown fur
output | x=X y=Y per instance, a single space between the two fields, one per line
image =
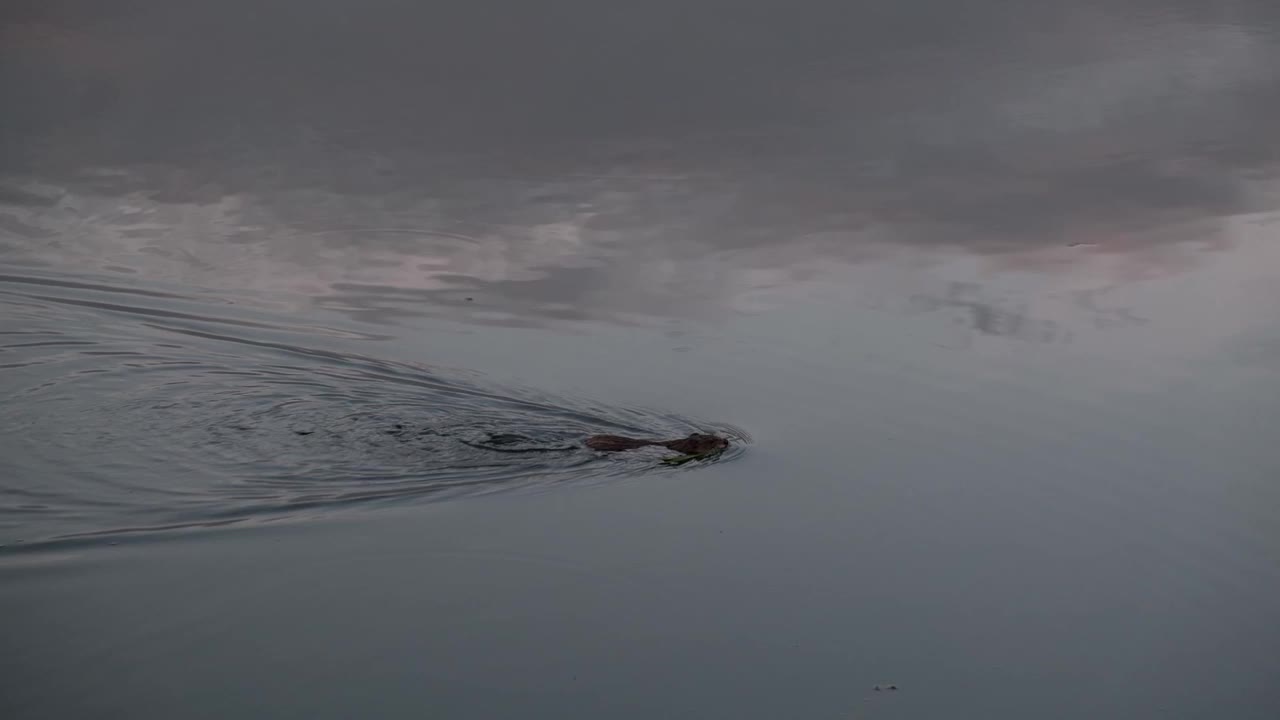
x=694 y=444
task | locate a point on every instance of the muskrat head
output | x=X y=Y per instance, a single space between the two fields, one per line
x=699 y=444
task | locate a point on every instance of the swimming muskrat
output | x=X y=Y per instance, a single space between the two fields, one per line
x=695 y=444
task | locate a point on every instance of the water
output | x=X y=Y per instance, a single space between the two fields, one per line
x=985 y=296
x=180 y=419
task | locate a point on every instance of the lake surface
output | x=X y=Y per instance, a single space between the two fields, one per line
x=986 y=295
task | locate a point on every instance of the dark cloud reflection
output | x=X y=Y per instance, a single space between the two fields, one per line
x=577 y=162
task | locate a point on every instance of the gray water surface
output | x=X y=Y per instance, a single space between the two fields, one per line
x=985 y=293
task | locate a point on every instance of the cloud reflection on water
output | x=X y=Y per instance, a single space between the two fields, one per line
x=1117 y=146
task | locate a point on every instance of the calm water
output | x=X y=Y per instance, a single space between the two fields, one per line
x=986 y=293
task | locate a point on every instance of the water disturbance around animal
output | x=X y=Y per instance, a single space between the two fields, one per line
x=156 y=419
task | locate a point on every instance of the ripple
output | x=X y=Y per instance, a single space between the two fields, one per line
x=153 y=427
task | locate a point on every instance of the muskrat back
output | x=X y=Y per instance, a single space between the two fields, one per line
x=694 y=444
x=614 y=443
